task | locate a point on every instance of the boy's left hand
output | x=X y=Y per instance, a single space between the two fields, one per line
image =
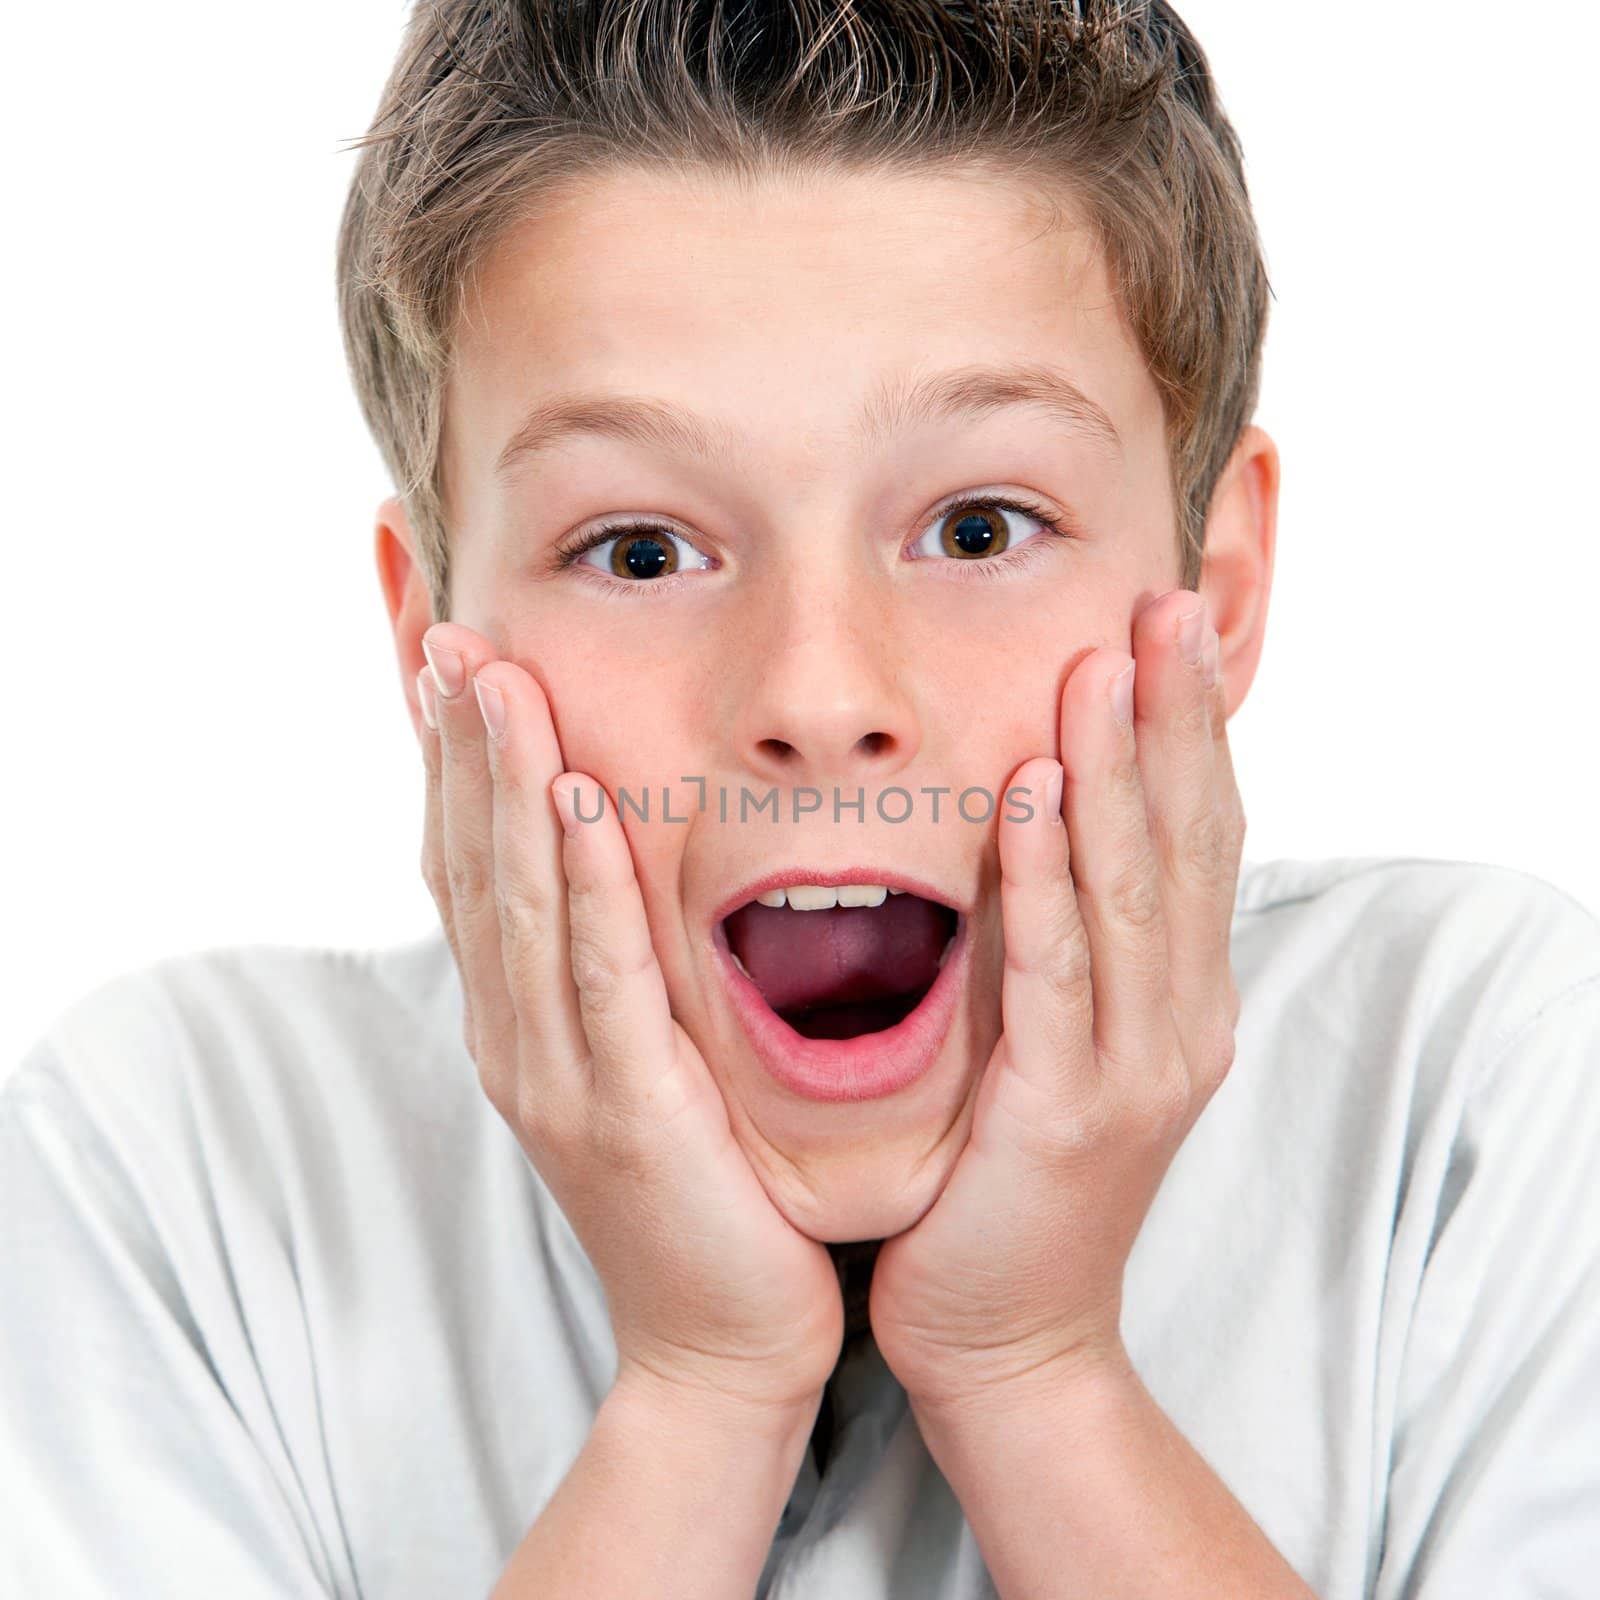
x=1118 y=1005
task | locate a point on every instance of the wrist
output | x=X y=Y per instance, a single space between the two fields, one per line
x=1015 y=1392
x=682 y=1408
x=676 y=1491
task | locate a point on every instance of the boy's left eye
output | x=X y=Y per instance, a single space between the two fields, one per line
x=977 y=529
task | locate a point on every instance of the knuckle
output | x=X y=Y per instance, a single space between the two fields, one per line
x=1072 y=978
x=1069 y=973
x=1079 y=1132
x=524 y=921
x=466 y=878
x=1062 y=952
x=599 y=968
x=1203 y=851
x=593 y=970
x=1135 y=899
x=1168 y=843
x=1126 y=781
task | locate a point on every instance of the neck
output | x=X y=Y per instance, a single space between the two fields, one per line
x=853 y=1261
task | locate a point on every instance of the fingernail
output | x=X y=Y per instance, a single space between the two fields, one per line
x=430 y=711
x=449 y=673
x=562 y=793
x=1213 y=659
x=1052 y=795
x=492 y=704
x=1122 y=694
x=1191 y=627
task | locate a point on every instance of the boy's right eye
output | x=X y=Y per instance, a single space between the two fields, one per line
x=639 y=554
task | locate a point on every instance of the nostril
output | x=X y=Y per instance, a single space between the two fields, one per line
x=777 y=749
x=875 y=744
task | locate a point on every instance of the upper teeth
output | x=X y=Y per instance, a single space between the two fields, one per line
x=823 y=897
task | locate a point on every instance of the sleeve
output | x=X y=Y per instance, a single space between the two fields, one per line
x=125 y=1470
x=1494 y=1481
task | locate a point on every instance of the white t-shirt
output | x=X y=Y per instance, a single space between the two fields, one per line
x=285 y=1310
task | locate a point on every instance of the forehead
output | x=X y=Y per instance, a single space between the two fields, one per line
x=782 y=304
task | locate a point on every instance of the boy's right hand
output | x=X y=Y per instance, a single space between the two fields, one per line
x=711 y=1291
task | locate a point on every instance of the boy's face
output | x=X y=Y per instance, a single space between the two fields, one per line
x=820 y=632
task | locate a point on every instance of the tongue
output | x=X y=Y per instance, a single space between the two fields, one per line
x=804 y=960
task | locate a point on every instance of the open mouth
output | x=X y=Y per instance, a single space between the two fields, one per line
x=840 y=961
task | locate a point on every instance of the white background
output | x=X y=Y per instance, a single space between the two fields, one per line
x=207 y=736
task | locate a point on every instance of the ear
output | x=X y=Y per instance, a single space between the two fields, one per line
x=405 y=594
x=1241 y=541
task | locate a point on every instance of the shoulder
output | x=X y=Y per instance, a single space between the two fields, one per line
x=1379 y=994
x=246 y=997
x=245 y=1046
x=1419 y=938
x=1409 y=884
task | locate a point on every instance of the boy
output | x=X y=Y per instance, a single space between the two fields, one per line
x=908 y=1152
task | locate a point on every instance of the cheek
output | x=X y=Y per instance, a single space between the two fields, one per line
x=997 y=700
x=624 y=723
x=630 y=730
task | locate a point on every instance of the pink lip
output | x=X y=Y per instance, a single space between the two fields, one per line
x=863 y=1068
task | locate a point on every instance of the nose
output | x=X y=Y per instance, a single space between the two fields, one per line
x=823 y=695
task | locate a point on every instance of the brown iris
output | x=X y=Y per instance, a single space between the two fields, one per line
x=642 y=555
x=972 y=533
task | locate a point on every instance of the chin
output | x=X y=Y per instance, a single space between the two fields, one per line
x=860 y=1194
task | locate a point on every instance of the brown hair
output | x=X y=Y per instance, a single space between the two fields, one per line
x=493 y=105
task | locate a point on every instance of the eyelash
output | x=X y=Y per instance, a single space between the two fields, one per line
x=1054 y=527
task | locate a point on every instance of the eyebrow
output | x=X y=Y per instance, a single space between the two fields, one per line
x=895 y=407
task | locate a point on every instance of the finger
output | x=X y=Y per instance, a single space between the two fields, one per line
x=1046 y=1000
x=454 y=654
x=622 y=997
x=530 y=891
x=1228 y=796
x=1191 y=835
x=433 y=873
x=1229 y=800
x=1114 y=867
